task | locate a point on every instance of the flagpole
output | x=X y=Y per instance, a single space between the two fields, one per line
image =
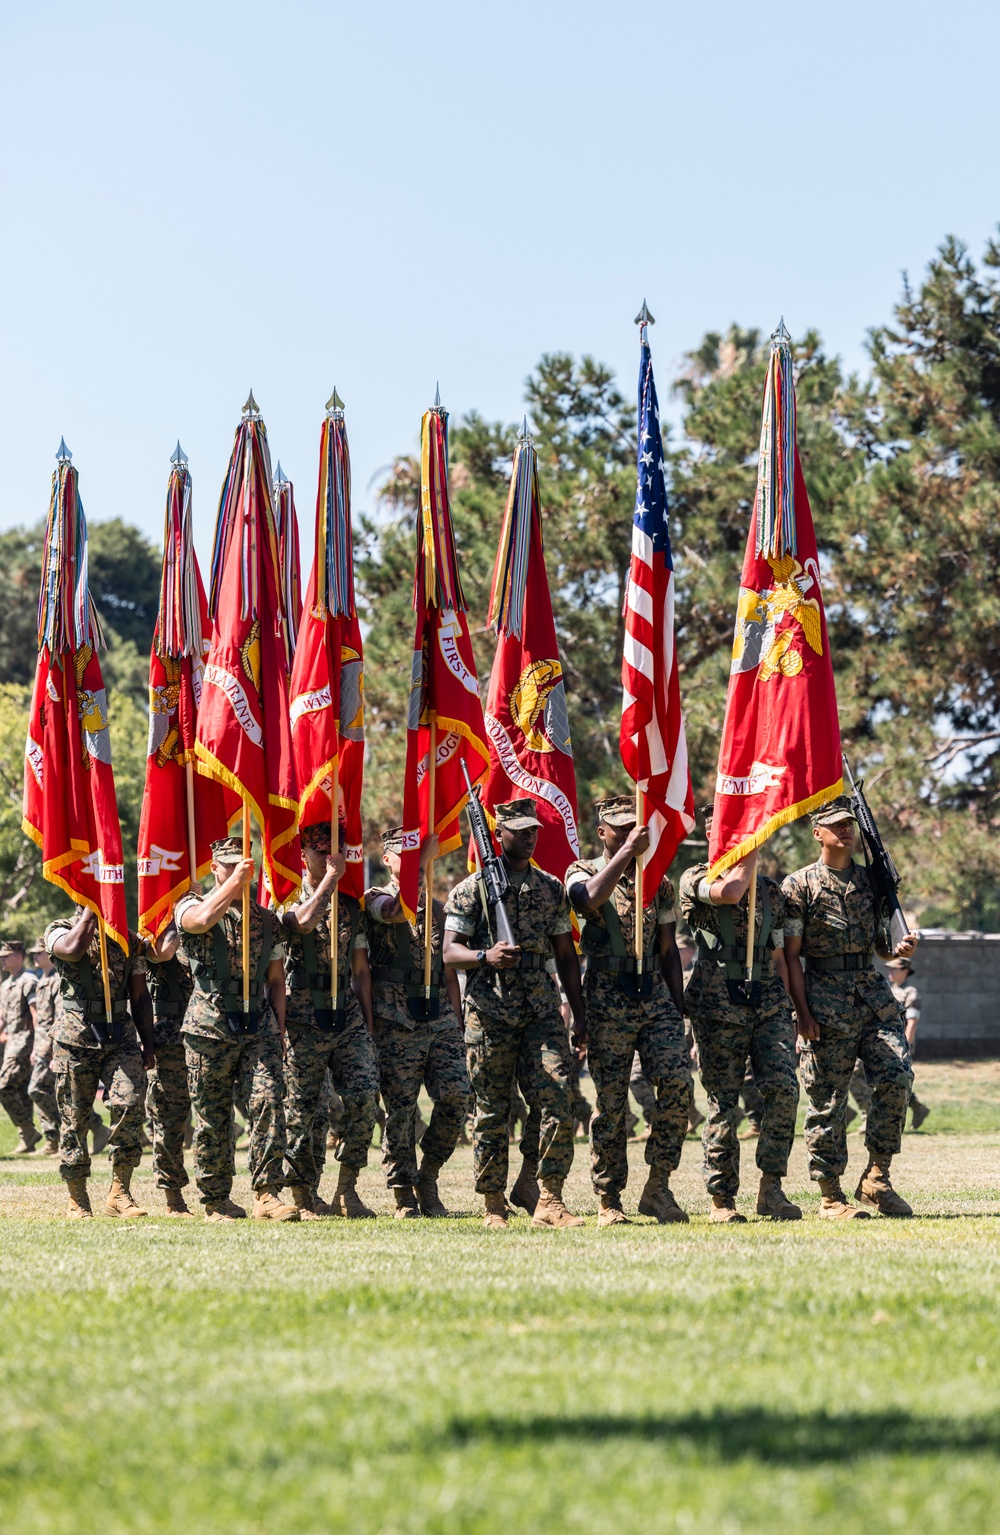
x=335 y=902
x=429 y=871
x=751 y=917
x=246 y=915
x=640 y=817
x=192 y=843
x=105 y=975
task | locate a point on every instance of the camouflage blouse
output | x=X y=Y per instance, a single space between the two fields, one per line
x=206 y=1015
x=706 y=992
x=383 y=954
x=538 y=908
x=594 y=938
x=298 y=1003
x=80 y=982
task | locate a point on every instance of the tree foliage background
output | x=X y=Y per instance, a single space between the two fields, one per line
x=903 y=470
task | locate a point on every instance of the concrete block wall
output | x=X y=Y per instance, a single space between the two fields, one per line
x=958 y=977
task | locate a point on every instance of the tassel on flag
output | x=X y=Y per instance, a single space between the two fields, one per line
x=244 y=736
x=288 y=556
x=526 y=718
x=445 y=716
x=176 y=827
x=653 y=743
x=780 y=752
x=327 y=690
x=70 y=807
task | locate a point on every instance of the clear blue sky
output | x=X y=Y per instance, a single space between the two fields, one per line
x=198 y=198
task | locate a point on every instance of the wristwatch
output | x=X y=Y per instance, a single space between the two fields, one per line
x=481 y=956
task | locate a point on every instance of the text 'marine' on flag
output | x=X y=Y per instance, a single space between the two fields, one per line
x=327 y=691
x=244 y=736
x=653 y=744
x=70 y=808
x=176 y=666
x=780 y=751
x=527 y=723
x=444 y=690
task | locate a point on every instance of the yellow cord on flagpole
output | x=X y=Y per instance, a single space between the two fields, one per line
x=640 y=817
x=246 y=916
x=335 y=903
x=105 y=974
x=429 y=871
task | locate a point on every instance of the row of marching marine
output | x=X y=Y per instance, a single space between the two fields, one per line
x=269 y=998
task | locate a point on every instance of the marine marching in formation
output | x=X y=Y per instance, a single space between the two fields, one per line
x=228 y=999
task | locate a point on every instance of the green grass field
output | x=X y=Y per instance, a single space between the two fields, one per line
x=402 y=1377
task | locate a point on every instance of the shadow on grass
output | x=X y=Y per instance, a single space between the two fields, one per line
x=786 y=1438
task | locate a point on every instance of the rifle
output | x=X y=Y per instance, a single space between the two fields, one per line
x=881 y=870
x=492 y=876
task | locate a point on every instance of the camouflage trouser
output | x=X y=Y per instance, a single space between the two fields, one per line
x=216 y=1068
x=724 y=1045
x=42 y=1086
x=79 y=1070
x=859 y=1088
x=408 y=1058
x=15 y=1074
x=579 y=1103
x=532 y=1050
x=350 y=1057
x=642 y=1091
x=753 y=1101
x=828 y=1064
x=657 y=1034
x=168 y=1104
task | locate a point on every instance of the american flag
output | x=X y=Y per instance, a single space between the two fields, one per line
x=653 y=746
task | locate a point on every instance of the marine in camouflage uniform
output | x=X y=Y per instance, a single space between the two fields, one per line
x=17 y=1020
x=735 y=1022
x=846 y=1012
x=88 y=1050
x=42 y=1086
x=321 y=1040
x=168 y=1098
x=906 y=994
x=225 y=1047
x=514 y=1030
x=629 y=1012
x=418 y=1044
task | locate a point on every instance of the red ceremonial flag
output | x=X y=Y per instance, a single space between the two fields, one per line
x=652 y=740
x=445 y=711
x=289 y=563
x=780 y=752
x=328 y=719
x=70 y=808
x=526 y=719
x=176 y=826
x=244 y=736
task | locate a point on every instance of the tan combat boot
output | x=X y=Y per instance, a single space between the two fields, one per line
x=50 y=1148
x=268 y=1207
x=78 y=1208
x=303 y=1201
x=320 y=1206
x=407 y=1208
x=224 y=1210
x=920 y=1113
x=834 y=1206
x=550 y=1210
x=428 y=1197
x=120 y=1200
x=771 y=1200
x=175 y=1203
x=875 y=1190
x=695 y=1119
x=495 y=1218
x=724 y=1211
x=525 y=1193
x=658 y=1201
x=610 y=1212
x=27 y=1140
x=346 y=1200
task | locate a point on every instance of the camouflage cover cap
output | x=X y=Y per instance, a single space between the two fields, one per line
x=839 y=809
x=517 y=815
x=11 y=946
x=228 y=849
x=392 y=839
x=900 y=964
x=316 y=837
x=38 y=947
x=619 y=810
x=707 y=811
